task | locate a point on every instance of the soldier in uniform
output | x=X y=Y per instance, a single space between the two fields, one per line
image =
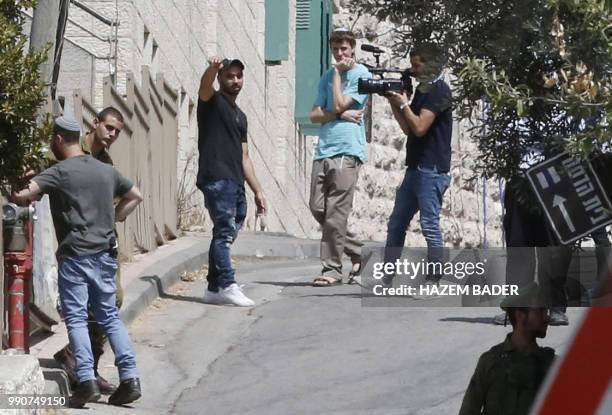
x=508 y=376
x=107 y=126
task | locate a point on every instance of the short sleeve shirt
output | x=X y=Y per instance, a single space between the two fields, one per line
x=340 y=137
x=434 y=149
x=81 y=190
x=222 y=128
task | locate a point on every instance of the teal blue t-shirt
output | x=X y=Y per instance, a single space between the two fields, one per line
x=339 y=137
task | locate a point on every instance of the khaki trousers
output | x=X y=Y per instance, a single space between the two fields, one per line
x=331 y=201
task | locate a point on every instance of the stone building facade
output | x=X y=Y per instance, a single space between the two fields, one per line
x=177 y=38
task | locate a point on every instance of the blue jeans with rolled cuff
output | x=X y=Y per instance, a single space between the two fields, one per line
x=227 y=206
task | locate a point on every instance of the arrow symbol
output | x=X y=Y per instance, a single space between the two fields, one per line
x=559 y=202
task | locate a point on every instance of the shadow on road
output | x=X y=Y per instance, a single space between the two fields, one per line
x=154 y=279
x=350 y=295
x=285 y=283
x=473 y=320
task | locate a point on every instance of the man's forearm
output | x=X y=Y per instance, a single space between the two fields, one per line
x=249 y=175
x=412 y=120
x=418 y=124
x=124 y=208
x=319 y=116
x=208 y=77
x=340 y=103
x=399 y=116
x=206 y=83
x=27 y=195
x=337 y=92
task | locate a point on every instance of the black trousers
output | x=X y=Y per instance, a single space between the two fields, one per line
x=528 y=235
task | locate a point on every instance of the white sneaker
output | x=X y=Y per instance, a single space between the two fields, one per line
x=211 y=297
x=234 y=295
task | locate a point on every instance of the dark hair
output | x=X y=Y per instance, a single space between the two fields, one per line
x=342 y=35
x=68 y=136
x=110 y=111
x=430 y=52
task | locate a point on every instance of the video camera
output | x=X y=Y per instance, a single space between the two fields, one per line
x=383 y=85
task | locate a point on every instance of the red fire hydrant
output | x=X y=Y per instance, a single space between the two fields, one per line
x=17 y=235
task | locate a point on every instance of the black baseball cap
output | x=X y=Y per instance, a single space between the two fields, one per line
x=232 y=62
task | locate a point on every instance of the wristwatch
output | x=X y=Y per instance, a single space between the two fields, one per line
x=404 y=105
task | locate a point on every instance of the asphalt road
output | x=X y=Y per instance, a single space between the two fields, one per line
x=305 y=350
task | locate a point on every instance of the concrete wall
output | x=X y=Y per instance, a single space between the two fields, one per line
x=177 y=38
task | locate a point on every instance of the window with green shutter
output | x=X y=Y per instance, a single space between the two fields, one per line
x=312 y=56
x=277 y=31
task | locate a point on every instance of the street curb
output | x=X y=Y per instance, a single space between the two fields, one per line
x=155 y=279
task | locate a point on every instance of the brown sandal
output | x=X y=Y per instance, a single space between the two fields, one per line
x=324 y=281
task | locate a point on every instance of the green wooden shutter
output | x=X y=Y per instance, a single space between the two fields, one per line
x=313 y=23
x=277 y=31
x=302 y=18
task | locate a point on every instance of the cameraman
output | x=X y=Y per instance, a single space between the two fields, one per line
x=427 y=121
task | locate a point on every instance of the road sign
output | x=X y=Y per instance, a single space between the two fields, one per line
x=572 y=196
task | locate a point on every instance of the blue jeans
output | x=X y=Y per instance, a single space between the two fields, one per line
x=91 y=279
x=421 y=190
x=227 y=206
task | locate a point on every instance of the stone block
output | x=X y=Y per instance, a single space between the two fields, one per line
x=21 y=373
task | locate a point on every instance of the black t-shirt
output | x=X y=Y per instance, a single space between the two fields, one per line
x=433 y=149
x=222 y=128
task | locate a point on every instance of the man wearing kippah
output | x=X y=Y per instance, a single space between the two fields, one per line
x=508 y=376
x=339 y=154
x=107 y=126
x=81 y=190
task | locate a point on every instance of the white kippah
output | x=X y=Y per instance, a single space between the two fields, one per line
x=67 y=122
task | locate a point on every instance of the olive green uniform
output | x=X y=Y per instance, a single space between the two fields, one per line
x=96 y=333
x=506 y=380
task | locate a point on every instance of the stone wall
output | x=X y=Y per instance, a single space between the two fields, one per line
x=467 y=204
x=176 y=39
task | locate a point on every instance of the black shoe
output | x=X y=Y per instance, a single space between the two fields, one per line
x=106 y=388
x=387 y=281
x=128 y=391
x=86 y=392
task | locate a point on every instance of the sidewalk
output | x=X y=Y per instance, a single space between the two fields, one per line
x=146 y=275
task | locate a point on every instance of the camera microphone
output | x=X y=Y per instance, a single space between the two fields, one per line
x=371 y=48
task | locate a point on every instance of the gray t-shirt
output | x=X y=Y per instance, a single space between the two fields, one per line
x=81 y=191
